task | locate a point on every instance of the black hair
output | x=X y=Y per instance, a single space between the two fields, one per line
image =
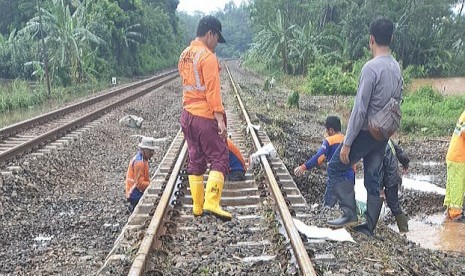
x=210 y=23
x=333 y=122
x=382 y=29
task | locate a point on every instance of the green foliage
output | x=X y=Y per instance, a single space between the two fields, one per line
x=88 y=40
x=18 y=94
x=428 y=34
x=427 y=112
x=325 y=79
x=293 y=99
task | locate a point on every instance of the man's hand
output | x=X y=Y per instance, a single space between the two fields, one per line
x=344 y=154
x=299 y=171
x=404 y=170
x=223 y=132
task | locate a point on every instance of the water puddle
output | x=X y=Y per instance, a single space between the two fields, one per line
x=412 y=182
x=422 y=185
x=435 y=232
x=447 y=86
x=428 y=163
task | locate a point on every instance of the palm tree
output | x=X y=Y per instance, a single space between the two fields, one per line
x=66 y=37
x=272 y=42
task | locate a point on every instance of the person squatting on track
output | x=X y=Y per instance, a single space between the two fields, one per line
x=392 y=180
x=380 y=82
x=203 y=118
x=137 y=177
x=455 y=160
x=330 y=144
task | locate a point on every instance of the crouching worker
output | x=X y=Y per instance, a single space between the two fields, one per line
x=236 y=163
x=325 y=152
x=137 y=177
x=392 y=181
x=203 y=118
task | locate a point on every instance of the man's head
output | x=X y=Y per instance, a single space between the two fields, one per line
x=209 y=31
x=332 y=125
x=381 y=31
x=147 y=147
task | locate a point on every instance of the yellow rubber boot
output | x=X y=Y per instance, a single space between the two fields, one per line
x=213 y=196
x=197 y=193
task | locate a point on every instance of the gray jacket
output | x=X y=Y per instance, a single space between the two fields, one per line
x=380 y=80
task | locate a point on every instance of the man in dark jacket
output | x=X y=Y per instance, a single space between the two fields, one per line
x=392 y=180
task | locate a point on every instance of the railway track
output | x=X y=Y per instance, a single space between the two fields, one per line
x=34 y=133
x=162 y=237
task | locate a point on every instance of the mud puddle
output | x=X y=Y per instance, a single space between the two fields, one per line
x=429 y=231
x=436 y=232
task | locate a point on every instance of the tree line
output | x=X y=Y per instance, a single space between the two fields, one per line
x=85 y=40
x=294 y=34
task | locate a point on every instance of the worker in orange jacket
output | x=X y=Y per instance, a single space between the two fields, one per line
x=137 y=177
x=203 y=118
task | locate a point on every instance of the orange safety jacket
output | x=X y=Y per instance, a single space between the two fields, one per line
x=456 y=151
x=199 y=70
x=237 y=154
x=137 y=175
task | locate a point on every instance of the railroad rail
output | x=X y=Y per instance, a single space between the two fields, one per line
x=162 y=237
x=15 y=139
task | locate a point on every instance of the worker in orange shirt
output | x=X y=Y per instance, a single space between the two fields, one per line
x=455 y=160
x=203 y=118
x=237 y=166
x=137 y=177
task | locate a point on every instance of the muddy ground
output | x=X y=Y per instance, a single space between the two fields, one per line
x=297 y=134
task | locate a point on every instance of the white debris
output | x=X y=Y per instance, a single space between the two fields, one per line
x=314 y=232
x=268 y=149
x=131 y=121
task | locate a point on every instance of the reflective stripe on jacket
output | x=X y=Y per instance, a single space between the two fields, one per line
x=199 y=70
x=137 y=175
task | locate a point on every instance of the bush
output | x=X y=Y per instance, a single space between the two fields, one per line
x=330 y=80
x=293 y=99
x=427 y=112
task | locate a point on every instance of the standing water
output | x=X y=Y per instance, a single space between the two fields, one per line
x=447 y=86
x=429 y=231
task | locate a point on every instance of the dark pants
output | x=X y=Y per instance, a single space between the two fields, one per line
x=392 y=199
x=204 y=144
x=236 y=176
x=134 y=198
x=372 y=152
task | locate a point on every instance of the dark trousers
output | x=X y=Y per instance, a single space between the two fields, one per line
x=204 y=144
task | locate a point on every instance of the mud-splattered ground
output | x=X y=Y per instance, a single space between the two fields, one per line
x=297 y=134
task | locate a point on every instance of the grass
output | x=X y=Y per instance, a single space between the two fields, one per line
x=428 y=113
x=19 y=94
